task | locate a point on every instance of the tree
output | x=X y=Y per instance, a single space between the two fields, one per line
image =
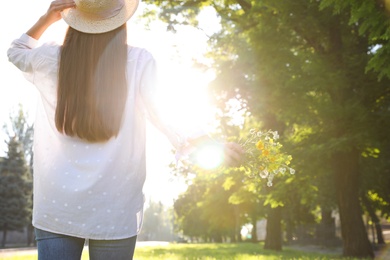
x=188 y=220
x=158 y=223
x=203 y=212
x=311 y=69
x=15 y=190
x=374 y=218
x=19 y=129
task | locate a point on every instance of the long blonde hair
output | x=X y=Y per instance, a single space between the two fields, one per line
x=92 y=86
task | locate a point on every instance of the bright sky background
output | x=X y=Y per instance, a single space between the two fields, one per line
x=183 y=89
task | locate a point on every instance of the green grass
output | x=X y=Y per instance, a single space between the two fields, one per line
x=242 y=251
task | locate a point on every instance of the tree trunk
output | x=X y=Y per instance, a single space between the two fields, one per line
x=289 y=230
x=237 y=226
x=217 y=237
x=30 y=235
x=354 y=234
x=238 y=234
x=254 y=230
x=327 y=229
x=3 y=242
x=374 y=218
x=273 y=238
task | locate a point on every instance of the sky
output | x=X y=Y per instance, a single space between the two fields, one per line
x=183 y=89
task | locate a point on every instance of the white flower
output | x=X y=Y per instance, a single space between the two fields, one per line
x=282 y=170
x=292 y=171
x=264 y=174
x=276 y=135
x=269 y=183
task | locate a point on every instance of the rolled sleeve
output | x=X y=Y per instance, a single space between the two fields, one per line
x=21 y=54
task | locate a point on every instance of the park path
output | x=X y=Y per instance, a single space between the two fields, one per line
x=16 y=252
x=384 y=253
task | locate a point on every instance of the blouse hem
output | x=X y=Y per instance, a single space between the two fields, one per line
x=84 y=237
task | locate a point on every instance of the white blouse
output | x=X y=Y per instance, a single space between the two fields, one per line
x=81 y=189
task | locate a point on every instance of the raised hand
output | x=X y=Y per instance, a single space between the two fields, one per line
x=52 y=15
x=233 y=154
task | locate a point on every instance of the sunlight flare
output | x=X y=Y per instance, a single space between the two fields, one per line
x=209 y=156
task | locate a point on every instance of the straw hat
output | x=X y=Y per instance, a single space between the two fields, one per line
x=99 y=16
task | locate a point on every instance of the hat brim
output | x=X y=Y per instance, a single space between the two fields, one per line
x=84 y=23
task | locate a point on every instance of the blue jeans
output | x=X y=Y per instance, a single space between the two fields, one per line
x=53 y=246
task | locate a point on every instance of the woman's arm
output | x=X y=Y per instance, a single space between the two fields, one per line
x=233 y=152
x=21 y=52
x=52 y=15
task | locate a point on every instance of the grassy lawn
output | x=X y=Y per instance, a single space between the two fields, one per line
x=243 y=251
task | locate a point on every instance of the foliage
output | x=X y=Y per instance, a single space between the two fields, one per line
x=158 y=223
x=15 y=189
x=19 y=127
x=372 y=17
x=197 y=218
x=16 y=174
